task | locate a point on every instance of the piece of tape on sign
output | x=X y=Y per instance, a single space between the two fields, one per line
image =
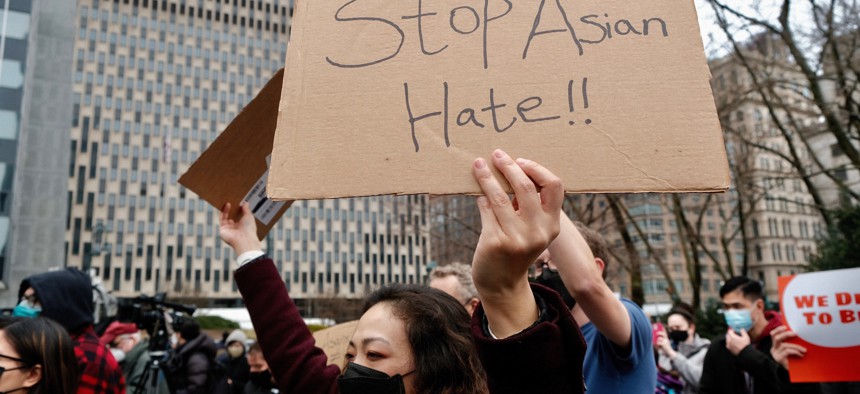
x=823 y=308
x=263 y=208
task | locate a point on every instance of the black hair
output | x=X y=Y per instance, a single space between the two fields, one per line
x=189 y=329
x=42 y=342
x=439 y=332
x=751 y=289
x=684 y=310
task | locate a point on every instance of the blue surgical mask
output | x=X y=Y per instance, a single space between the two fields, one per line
x=25 y=309
x=738 y=319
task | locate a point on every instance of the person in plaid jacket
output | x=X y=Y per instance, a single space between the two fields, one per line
x=66 y=297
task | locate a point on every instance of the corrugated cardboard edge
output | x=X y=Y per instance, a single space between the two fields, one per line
x=294 y=63
x=228 y=169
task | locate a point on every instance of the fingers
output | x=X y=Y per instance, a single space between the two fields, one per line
x=497 y=198
x=488 y=218
x=225 y=214
x=794 y=348
x=780 y=334
x=524 y=188
x=551 y=191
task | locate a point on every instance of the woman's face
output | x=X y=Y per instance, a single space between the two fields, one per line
x=14 y=376
x=380 y=342
x=676 y=322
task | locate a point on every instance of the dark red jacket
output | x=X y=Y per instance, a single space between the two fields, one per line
x=546 y=358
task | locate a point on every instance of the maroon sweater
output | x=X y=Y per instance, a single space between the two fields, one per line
x=544 y=358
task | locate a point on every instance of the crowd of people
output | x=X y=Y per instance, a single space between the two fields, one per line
x=532 y=313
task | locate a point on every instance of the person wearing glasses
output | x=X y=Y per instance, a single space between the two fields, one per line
x=36 y=357
x=66 y=297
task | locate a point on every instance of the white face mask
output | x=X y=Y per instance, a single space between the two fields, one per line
x=118 y=354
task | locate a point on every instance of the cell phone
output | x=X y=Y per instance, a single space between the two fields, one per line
x=656 y=328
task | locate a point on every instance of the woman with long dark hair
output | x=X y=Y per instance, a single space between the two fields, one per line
x=412 y=339
x=37 y=357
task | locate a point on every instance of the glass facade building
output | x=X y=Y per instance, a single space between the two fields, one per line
x=154 y=84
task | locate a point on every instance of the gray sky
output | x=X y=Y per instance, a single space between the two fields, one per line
x=713 y=36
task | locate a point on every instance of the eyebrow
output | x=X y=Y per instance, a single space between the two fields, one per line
x=369 y=340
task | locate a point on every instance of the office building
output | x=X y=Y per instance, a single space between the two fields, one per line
x=154 y=84
x=36 y=39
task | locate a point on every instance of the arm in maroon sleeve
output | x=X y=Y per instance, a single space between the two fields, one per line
x=288 y=346
x=544 y=358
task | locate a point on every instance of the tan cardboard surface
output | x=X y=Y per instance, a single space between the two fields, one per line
x=334 y=341
x=233 y=165
x=541 y=79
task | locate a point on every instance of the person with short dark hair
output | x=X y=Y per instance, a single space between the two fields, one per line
x=620 y=356
x=36 y=356
x=66 y=297
x=681 y=350
x=740 y=361
x=189 y=366
x=260 y=379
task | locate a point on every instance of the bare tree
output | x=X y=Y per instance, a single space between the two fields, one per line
x=821 y=60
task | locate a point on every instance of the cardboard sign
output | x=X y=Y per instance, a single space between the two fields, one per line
x=235 y=167
x=401 y=96
x=823 y=309
x=334 y=341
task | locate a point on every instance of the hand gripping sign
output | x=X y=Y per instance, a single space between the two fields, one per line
x=823 y=309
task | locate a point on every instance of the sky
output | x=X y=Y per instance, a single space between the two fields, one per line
x=713 y=36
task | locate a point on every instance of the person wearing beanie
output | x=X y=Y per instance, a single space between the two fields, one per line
x=130 y=346
x=234 y=361
x=66 y=297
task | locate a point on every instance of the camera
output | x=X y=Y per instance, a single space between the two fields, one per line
x=154 y=314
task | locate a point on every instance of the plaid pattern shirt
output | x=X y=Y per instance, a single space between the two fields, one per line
x=101 y=374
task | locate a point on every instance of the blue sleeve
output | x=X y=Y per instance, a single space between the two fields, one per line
x=640 y=339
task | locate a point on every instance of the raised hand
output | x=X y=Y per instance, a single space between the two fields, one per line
x=240 y=234
x=782 y=350
x=513 y=236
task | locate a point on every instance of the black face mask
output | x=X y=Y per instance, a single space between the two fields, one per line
x=358 y=379
x=262 y=379
x=678 y=336
x=550 y=278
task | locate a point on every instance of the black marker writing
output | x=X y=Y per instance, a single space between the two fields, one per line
x=487 y=21
x=534 y=33
x=339 y=18
x=419 y=16
x=528 y=110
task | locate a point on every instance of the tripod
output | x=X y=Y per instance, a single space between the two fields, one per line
x=148 y=383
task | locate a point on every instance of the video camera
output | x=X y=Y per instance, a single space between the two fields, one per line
x=152 y=314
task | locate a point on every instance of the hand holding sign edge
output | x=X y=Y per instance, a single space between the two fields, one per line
x=512 y=237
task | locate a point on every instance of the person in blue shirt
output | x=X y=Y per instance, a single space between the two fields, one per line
x=619 y=358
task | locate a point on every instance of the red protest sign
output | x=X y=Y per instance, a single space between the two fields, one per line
x=823 y=309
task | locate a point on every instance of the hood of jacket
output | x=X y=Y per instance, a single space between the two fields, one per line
x=774 y=320
x=202 y=343
x=236 y=335
x=66 y=297
x=688 y=349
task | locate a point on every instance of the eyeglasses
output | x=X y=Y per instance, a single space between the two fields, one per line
x=26 y=363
